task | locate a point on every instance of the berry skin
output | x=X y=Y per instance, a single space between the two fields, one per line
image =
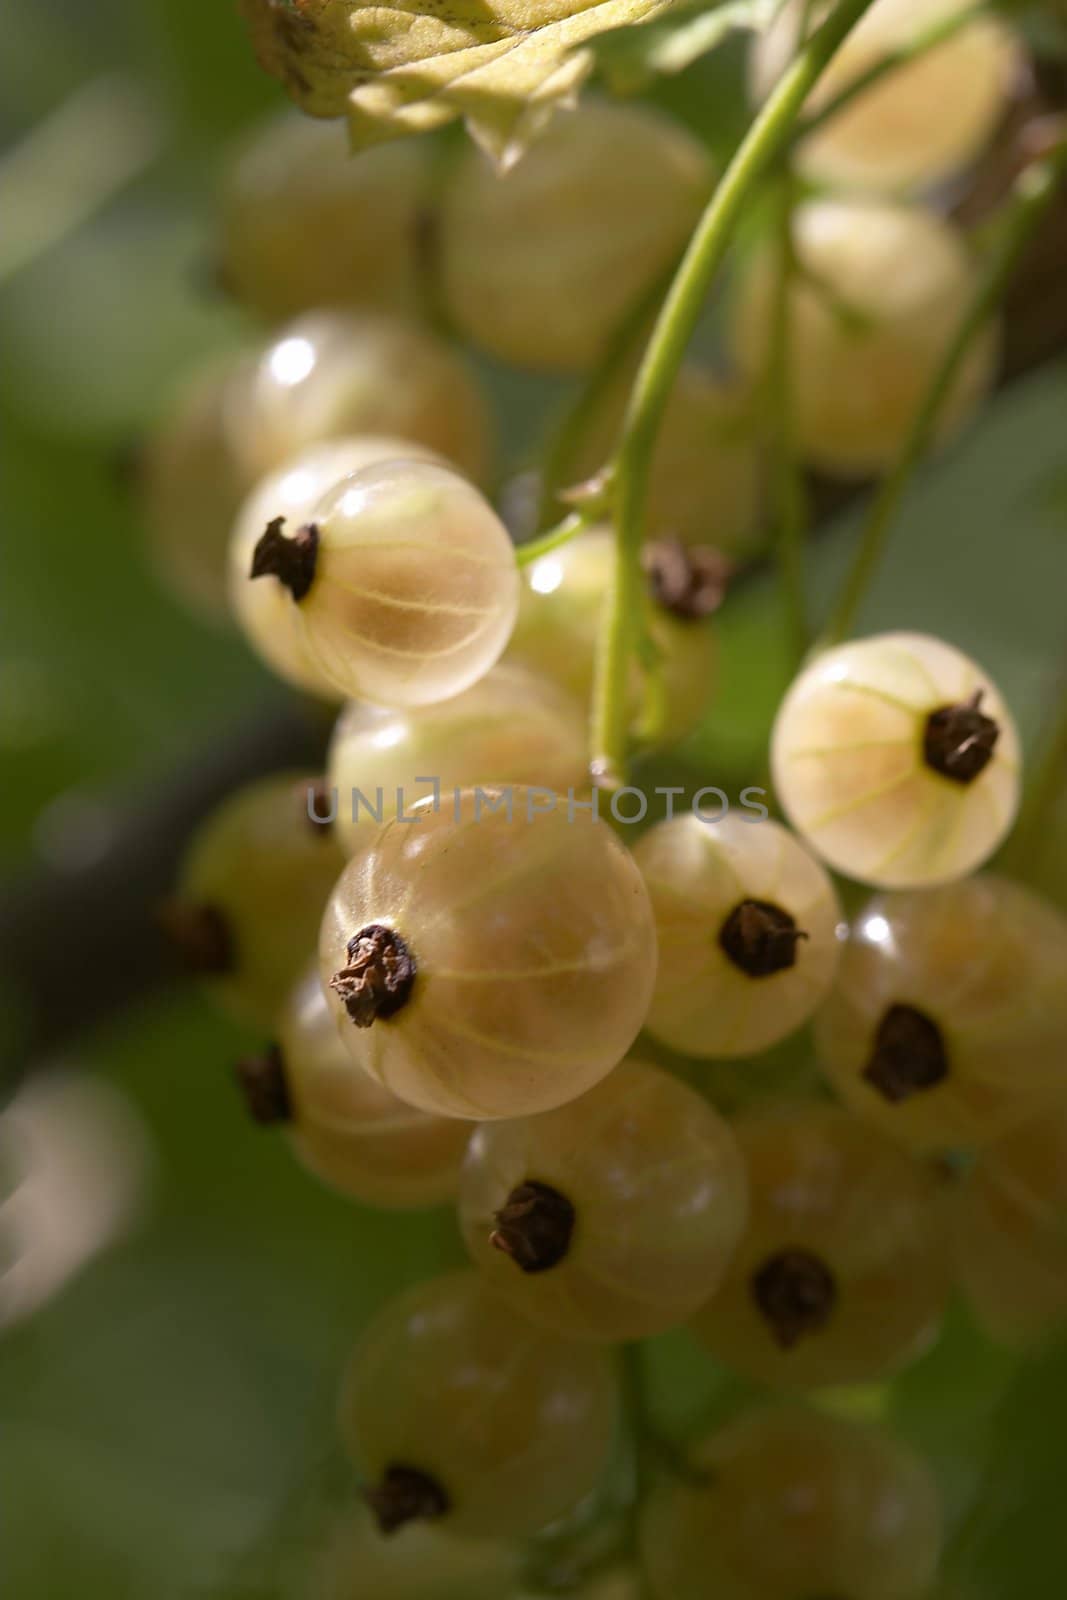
x=705 y=483
x=510 y=727
x=748 y=929
x=419 y=1562
x=292 y=492
x=459 y=1412
x=539 y=267
x=797 y=1504
x=948 y=1020
x=250 y=896
x=1009 y=1231
x=611 y=1217
x=402 y=587
x=877 y=298
x=841 y=1277
x=921 y=123
x=485 y=965
x=347 y=1129
x=330 y=374
x=560 y=610
x=896 y=759
x=303 y=223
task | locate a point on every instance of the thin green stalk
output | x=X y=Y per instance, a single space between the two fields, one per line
x=563 y=532
x=1033 y=193
x=767 y=138
x=788 y=495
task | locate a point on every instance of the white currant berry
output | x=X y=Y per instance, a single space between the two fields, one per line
x=877 y=297
x=923 y=121
x=330 y=374
x=842 y=1274
x=345 y=1128
x=492 y=958
x=948 y=1019
x=558 y=625
x=896 y=759
x=460 y=1413
x=292 y=492
x=611 y=1217
x=748 y=928
x=795 y=1504
x=304 y=223
x=250 y=896
x=402 y=587
x=540 y=266
x=511 y=727
x=357 y=1561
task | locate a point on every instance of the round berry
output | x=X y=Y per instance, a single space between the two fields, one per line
x=876 y=299
x=292 y=492
x=748 y=928
x=948 y=1020
x=921 y=123
x=796 y=1504
x=511 y=727
x=540 y=266
x=560 y=612
x=402 y=587
x=304 y=223
x=612 y=1217
x=418 y=1562
x=897 y=760
x=492 y=958
x=461 y=1414
x=250 y=896
x=345 y=1128
x=841 y=1276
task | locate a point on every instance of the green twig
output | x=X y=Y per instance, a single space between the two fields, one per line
x=788 y=494
x=1033 y=193
x=563 y=532
x=767 y=138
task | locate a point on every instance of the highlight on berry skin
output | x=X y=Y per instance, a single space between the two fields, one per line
x=492 y=958
x=749 y=931
x=841 y=1276
x=947 y=1022
x=896 y=759
x=462 y=1415
x=612 y=1217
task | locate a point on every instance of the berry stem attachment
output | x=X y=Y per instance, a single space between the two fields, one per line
x=767 y=138
x=378 y=977
x=405 y=1495
x=760 y=938
x=262 y=1082
x=291 y=560
x=534 y=1227
x=1033 y=193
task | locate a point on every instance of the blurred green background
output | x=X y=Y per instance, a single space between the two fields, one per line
x=178 y=1297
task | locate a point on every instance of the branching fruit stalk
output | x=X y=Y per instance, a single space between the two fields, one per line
x=767 y=138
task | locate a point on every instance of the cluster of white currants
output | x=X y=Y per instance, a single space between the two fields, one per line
x=483 y=973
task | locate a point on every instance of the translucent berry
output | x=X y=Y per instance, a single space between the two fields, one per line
x=539 y=266
x=948 y=1019
x=418 y=1562
x=612 y=1217
x=292 y=492
x=922 y=122
x=402 y=587
x=841 y=1276
x=1009 y=1228
x=303 y=223
x=876 y=299
x=492 y=958
x=748 y=929
x=512 y=727
x=250 y=896
x=796 y=1505
x=897 y=760
x=345 y=1128
x=560 y=611
x=461 y=1414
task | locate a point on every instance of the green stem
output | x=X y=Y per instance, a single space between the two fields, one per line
x=573 y=524
x=788 y=496
x=1033 y=193
x=765 y=141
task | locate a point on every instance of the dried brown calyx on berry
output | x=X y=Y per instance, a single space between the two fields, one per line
x=689 y=581
x=534 y=1227
x=293 y=561
x=377 y=980
x=908 y=1056
x=795 y=1292
x=406 y=1494
x=200 y=937
x=262 y=1082
x=959 y=740
x=760 y=938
